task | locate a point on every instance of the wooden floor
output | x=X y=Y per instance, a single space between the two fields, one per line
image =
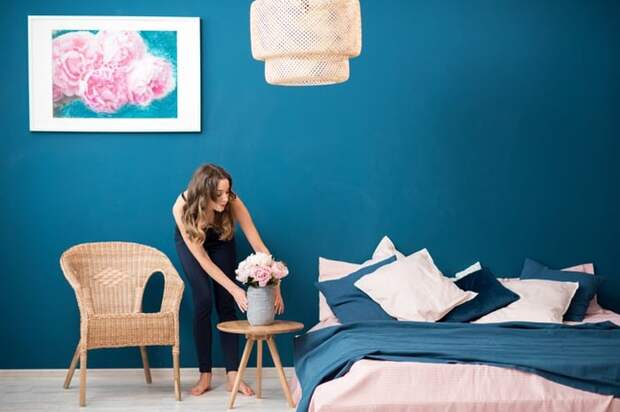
x=113 y=390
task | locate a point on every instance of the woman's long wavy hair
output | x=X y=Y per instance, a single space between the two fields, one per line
x=202 y=188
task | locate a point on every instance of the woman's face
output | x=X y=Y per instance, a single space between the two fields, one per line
x=222 y=193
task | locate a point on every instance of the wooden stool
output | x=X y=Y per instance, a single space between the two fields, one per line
x=259 y=334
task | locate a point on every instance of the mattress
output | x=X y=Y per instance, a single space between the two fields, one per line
x=373 y=385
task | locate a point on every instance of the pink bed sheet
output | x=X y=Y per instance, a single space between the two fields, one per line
x=385 y=386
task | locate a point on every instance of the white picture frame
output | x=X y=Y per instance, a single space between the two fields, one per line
x=43 y=92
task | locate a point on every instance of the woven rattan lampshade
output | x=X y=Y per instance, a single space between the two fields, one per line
x=306 y=42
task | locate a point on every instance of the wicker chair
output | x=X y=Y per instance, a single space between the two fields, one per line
x=109 y=280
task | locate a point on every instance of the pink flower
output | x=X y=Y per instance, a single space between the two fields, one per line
x=121 y=48
x=57 y=93
x=104 y=90
x=149 y=78
x=108 y=70
x=279 y=270
x=73 y=56
x=262 y=276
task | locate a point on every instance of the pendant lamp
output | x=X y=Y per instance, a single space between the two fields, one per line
x=306 y=42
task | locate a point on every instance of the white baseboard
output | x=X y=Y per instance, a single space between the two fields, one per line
x=267 y=372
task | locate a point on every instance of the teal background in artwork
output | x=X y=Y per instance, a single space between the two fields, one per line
x=159 y=43
x=482 y=130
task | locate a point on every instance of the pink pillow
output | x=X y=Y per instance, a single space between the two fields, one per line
x=594 y=307
x=335 y=269
x=330 y=270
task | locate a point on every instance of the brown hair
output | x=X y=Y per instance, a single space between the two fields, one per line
x=202 y=188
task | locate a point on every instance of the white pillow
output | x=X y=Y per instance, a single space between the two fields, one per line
x=386 y=249
x=413 y=288
x=540 y=301
x=473 y=268
x=335 y=269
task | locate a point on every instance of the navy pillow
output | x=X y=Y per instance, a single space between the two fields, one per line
x=532 y=267
x=492 y=295
x=588 y=286
x=348 y=302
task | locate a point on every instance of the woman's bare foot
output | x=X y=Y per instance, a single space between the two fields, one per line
x=243 y=387
x=203 y=384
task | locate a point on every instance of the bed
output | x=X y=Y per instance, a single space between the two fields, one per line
x=520 y=356
x=386 y=385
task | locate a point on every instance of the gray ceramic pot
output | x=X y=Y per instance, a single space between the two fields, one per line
x=260 y=305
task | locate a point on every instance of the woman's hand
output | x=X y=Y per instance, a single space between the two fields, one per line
x=241 y=299
x=279 y=302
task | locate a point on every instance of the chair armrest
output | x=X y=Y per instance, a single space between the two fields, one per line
x=82 y=295
x=173 y=289
x=84 y=301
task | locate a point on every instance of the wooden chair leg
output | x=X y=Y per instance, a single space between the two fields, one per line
x=71 y=370
x=276 y=360
x=177 y=373
x=259 y=367
x=244 y=361
x=83 y=360
x=145 y=363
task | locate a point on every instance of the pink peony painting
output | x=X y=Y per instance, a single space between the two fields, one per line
x=120 y=74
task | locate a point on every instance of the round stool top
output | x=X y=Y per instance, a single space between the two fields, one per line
x=243 y=327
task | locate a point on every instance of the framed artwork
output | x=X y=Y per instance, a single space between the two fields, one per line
x=114 y=74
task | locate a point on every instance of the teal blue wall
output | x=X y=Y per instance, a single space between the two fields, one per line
x=482 y=130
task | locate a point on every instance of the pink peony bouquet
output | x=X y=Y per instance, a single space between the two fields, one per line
x=108 y=70
x=260 y=270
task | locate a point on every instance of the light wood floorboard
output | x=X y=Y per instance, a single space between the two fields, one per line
x=114 y=390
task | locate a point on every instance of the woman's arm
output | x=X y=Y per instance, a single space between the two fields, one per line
x=242 y=215
x=205 y=261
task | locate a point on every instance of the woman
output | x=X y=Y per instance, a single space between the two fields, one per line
x=205 y=215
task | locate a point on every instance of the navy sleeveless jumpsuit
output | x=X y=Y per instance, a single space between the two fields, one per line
x=222 y=253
